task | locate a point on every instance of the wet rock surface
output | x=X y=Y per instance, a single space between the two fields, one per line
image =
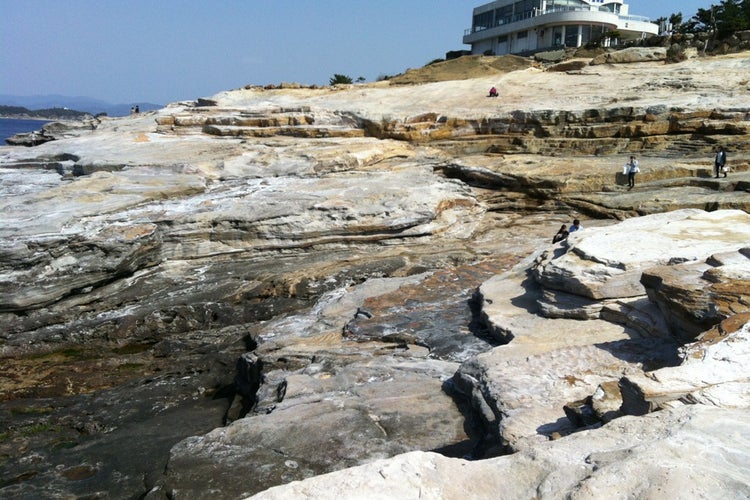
x=289 y=282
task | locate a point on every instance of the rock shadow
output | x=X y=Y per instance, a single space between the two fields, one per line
x=477 y=325
x=528 y=300
x=621 y=179
x=560 y=427
x=650 y=353
x=484 y=440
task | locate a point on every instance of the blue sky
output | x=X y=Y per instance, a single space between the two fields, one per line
x=163 y=51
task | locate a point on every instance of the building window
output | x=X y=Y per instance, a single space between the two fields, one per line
x=596 y=32
x=522 y=34
x=571 y=36
x=525 y=8
x=502 y=39
x=585 y=34
x=565 y=4
x=557 y=34
x=482 y=21
x=504 y=15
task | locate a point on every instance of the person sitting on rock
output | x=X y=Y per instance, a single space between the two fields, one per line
x=493 y=92
x=561 y=234
x=576 y=226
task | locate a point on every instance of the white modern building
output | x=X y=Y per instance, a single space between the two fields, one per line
x=519 y=26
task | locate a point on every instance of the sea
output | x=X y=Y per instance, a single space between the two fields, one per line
x=10 y=127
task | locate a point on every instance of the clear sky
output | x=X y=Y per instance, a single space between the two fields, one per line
x=161 y=51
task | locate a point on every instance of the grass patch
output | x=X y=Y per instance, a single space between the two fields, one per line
x=34 y=429
x=31 y=410
x=67 y=354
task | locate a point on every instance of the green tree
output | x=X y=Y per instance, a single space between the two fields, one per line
x=337 y=79
x=703 y=20
x=731 y=16
x=721 y=20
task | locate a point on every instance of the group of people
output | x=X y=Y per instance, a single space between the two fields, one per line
x=135 y=110
x=564 y=232
x=720 y=166
x=630 y=169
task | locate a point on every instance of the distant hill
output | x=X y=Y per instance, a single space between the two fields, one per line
x=47 y=113
x=83 y=104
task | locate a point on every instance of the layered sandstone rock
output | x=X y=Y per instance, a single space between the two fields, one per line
x=553 y=359
x=520 y=389
x=714 y=373
x=331 y=239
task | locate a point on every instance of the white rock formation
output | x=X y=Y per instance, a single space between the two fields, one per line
x=691 y=452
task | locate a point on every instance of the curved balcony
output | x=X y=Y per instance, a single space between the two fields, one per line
x=635 y=24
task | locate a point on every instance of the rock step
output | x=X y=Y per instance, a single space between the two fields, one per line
x=294 y=122
x=299 y=131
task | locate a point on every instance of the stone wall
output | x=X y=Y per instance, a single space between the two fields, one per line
x=705 y=42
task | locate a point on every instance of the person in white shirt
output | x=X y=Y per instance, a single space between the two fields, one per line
x=632 y=169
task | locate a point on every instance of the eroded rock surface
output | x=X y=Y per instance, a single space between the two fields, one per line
x=706 y=459
x=331 y=241
x=561 y=393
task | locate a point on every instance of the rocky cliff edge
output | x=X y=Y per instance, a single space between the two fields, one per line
x=265 y=285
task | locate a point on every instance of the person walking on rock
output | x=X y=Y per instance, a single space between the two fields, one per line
x=632 y=168
x=720 y=162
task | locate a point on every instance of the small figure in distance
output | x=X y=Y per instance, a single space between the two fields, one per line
x=632 y=168
x=720 y=162
x=137 y=109
x=493 y=92
x=576 y=226
x=561 y=234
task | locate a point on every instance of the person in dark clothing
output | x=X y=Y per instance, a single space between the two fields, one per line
x=720 y=162
x=561 y=234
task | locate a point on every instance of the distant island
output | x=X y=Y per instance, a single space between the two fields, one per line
x=20 y=112
x=56 y=107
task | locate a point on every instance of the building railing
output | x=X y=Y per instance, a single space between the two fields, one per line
x=552 y=10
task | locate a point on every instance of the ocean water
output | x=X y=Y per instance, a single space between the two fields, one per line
x=10 y=127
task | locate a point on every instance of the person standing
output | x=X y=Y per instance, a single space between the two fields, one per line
x=632 y=169
x=720 y=162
